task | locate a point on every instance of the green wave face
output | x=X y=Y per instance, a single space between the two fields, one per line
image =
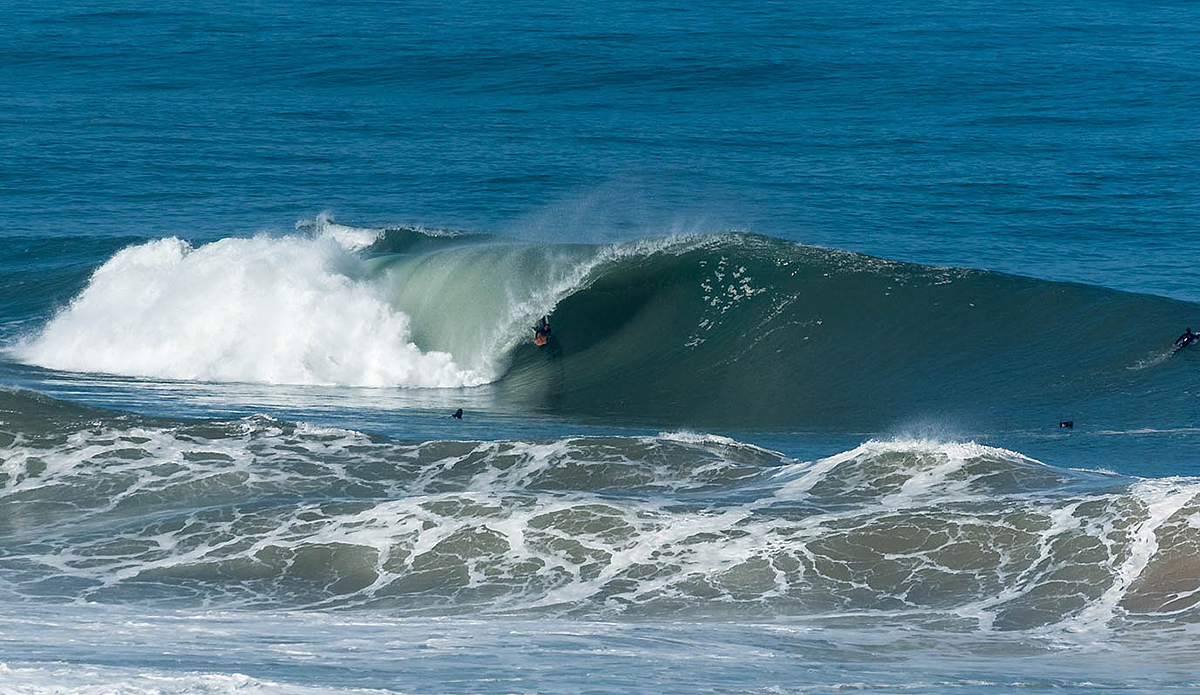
x=748 y=330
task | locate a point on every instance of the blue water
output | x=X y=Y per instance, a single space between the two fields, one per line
x=254 y=255
x=1042 y=138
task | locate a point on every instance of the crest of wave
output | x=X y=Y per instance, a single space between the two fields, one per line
x=269 y=310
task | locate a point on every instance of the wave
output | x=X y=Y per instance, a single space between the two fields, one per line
x=261 y=513
x=726 y=328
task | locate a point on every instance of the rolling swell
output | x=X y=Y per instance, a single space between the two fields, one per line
x=729 y=329
x=261 y=513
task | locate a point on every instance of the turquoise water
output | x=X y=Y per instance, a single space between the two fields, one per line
x=823 y=279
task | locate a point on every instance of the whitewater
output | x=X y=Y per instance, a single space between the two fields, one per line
x=330 y=543
x=308 y=309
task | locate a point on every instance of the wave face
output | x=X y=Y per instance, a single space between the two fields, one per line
x=753 y=330
x=260 y=513
x=728 y=329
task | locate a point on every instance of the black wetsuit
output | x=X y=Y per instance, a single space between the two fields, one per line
x=1187 y=338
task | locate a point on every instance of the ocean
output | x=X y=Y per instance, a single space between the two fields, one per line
x=861 y=375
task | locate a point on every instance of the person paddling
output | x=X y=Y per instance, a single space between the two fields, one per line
x=1186 y=339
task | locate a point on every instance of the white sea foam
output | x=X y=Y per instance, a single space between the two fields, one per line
x=350 y=238
x=268 y=310
x=946 y=457
x=308 y=309
x=1161 y=499
x=689 y=437
x=64 y=679
x=596 y=526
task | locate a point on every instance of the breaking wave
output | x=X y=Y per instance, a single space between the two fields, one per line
x=261 y=513
x=705 y=329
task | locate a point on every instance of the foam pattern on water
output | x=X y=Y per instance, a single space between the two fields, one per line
x=261 y=513
x=63 y=679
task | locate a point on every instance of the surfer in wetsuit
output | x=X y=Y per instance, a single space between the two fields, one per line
x=1186 y=339
x=541 y=332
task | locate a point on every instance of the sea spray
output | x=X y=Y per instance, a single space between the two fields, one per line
x=272 y=310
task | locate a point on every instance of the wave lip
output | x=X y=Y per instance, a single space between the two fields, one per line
x=348 y=237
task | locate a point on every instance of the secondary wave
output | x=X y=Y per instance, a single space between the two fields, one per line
x=263 y=513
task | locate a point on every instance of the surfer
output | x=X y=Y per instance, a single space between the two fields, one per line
x=1187 y=338
x=541 y=332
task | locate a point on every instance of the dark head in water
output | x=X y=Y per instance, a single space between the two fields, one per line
x=457 y=414
x=1187 y=338
x=1067 y=424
